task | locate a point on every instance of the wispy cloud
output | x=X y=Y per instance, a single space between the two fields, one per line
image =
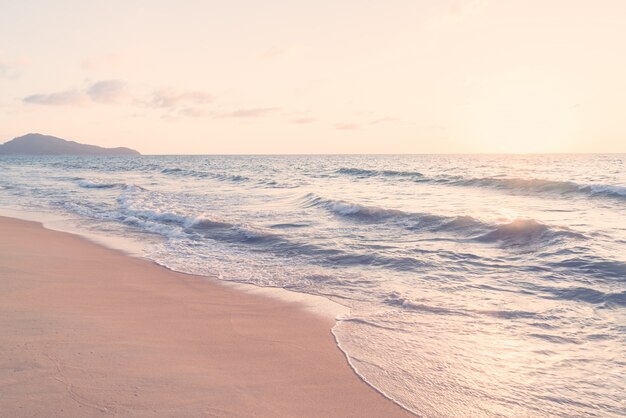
x=382 y=120
x=9 y=69
x=248 y=113
x=60 y=98
x=194 y=112
x=271 y=53
x=107 y=91
x=171 y=103
x=346 y=126
x=254 y=112
x=363 y=120
x=6 y=71
x=302 y=121
x=171 y=98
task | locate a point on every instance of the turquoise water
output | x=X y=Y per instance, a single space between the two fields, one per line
x=478 y=285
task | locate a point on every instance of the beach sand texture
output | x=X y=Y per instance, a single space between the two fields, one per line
x=86 y=331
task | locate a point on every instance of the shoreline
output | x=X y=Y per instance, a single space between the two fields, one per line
x=133 y=247
x=92 y=331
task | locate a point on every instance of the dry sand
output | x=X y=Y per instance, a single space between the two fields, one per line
x=88 y=331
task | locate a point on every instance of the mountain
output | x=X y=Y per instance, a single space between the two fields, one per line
x=37 y=144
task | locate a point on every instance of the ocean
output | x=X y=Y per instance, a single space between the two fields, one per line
x=478 y=285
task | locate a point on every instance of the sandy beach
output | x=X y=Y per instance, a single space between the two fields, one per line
x=87 y=331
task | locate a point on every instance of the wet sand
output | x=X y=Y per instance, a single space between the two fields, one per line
x=87 y=331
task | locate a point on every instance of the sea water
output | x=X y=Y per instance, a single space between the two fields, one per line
x=478 y=285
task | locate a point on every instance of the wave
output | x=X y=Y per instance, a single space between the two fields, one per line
x=516 y=184
x=230 y=177
x=175 y=171
x=459 y=223
x=359 y=172
x=353 y=210
x=234 y=233
x=356 y=210
x=87 y=184
x=289 y=225
x=593 y=266
x=588 y=295
x=67 y=178
x=140 y=208
x=177 y=225
x=525 y=231
x=139 y=203
x=172 y=170
x=607 y=190
x=517 y=232
x=538 y=186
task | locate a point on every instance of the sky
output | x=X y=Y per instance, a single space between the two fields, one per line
x=342 y=76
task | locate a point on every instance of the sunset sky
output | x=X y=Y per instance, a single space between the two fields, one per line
x=351 y=76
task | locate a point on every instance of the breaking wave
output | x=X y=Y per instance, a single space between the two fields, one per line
x=540 y=186
x=521 y=185
x=524 y=231
x=516 y=232
x=87 y=184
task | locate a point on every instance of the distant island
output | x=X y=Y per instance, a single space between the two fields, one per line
x=38 y=144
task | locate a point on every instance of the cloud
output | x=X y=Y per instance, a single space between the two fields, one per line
x=382 y=120
x=6 y=71
x=9 y=70
x=175 y=103
x=302 y=121
x=107 y=91
x=364 y=121
x=254 y=112
x=193 y=112
x=171 y=98
x=171 y=103
x=271 y=53
x=61 y=98
x=199 y=111
x=346 y=126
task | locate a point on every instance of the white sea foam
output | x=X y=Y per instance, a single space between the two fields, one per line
x=99 y=184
